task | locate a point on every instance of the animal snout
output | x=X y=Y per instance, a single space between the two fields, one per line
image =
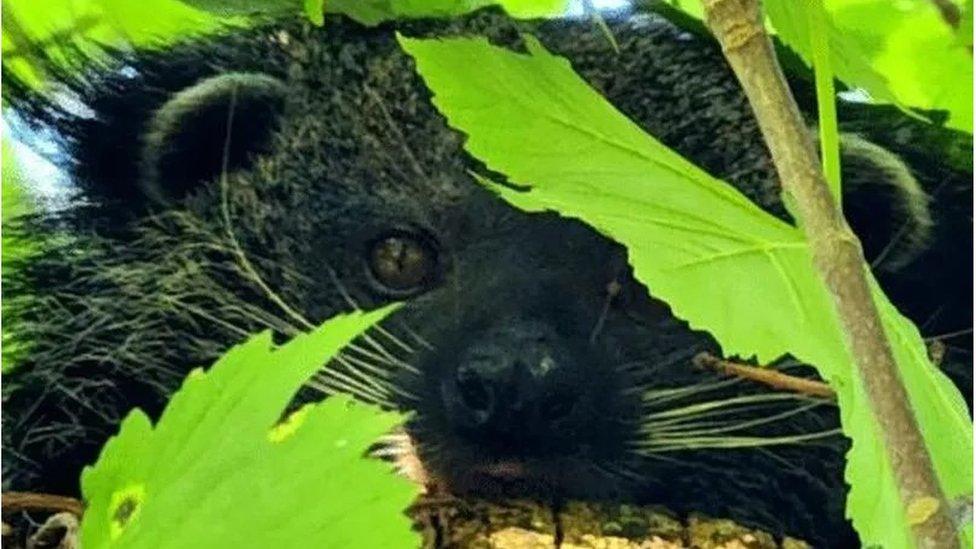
x=515 y=380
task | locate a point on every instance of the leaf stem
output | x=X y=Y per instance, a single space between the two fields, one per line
x=826 y=100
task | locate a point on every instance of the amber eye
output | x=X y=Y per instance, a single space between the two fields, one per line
x=402 y=263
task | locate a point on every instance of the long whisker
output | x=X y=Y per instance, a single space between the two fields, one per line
x=353 y=348
x=232 y=237
x=338 y=382
x=655 y=398
x=420 y=339
x=671 y=445
x=353 y=362
x=693 y=429
x=698 y=408
x=356 y=373
x=393 y=338
x=379 y=348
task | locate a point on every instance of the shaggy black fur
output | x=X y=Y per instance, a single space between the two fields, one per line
x=165 y=259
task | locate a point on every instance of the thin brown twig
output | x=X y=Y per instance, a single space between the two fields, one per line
x=766 y=376
x=32 y=501
x=838 y=257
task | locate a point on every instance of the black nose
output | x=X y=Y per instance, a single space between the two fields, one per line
x=514 y=380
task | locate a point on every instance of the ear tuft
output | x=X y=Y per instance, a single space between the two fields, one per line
x=219 y=123
x=884 y=204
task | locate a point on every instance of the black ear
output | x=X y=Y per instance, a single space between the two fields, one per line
x=219 y=123
x=884 y=203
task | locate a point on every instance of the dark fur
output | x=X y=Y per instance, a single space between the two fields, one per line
x=140 y=281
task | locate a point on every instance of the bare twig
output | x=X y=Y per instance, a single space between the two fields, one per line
x=837 y=254
x=766 y=376
x=30 y=501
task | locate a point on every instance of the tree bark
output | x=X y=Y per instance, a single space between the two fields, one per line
x=737 y=24
x=477 y=524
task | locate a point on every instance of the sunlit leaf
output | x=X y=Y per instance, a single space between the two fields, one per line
x=826 y=98
x=916 y=50
x=718 y=260
x=964 y=34
x=313 y=9
x=898 y=52
x=849 y=62
x=60 y=30
x=220 y=470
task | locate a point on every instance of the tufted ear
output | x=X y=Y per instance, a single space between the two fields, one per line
x=220 y=122
x=884 y=203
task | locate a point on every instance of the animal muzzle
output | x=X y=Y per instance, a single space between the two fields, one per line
x=516 y=386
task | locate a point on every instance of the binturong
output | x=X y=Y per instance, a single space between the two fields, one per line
x=274 y=176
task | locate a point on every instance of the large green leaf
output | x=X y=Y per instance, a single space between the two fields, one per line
x=964 y=33
x=719 y=261
x=918 y=53
x=848 y=61
x=899 y=52
x=218 y=470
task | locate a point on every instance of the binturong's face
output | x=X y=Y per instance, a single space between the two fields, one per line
x=534 y=365
x=274 y=177
x=529 y=361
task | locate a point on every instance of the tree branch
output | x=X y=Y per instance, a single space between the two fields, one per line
x=31 y=501
x=837 y=254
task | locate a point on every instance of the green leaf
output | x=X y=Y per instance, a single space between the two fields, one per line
x=826 y=99
x=373 y=12
x=718 y=260
x=899 y=52
x=315 y=11
x=34 y=30
x=964 y=34
x=849 y=62
x=249 y=7
x=918 y=53
x=217 y=471
x=53 y=29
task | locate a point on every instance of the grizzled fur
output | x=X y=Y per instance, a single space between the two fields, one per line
x=234 y=183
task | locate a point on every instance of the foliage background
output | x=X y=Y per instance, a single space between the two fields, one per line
x=907 y=55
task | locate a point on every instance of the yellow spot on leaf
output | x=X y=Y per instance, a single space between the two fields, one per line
x=288 y=427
